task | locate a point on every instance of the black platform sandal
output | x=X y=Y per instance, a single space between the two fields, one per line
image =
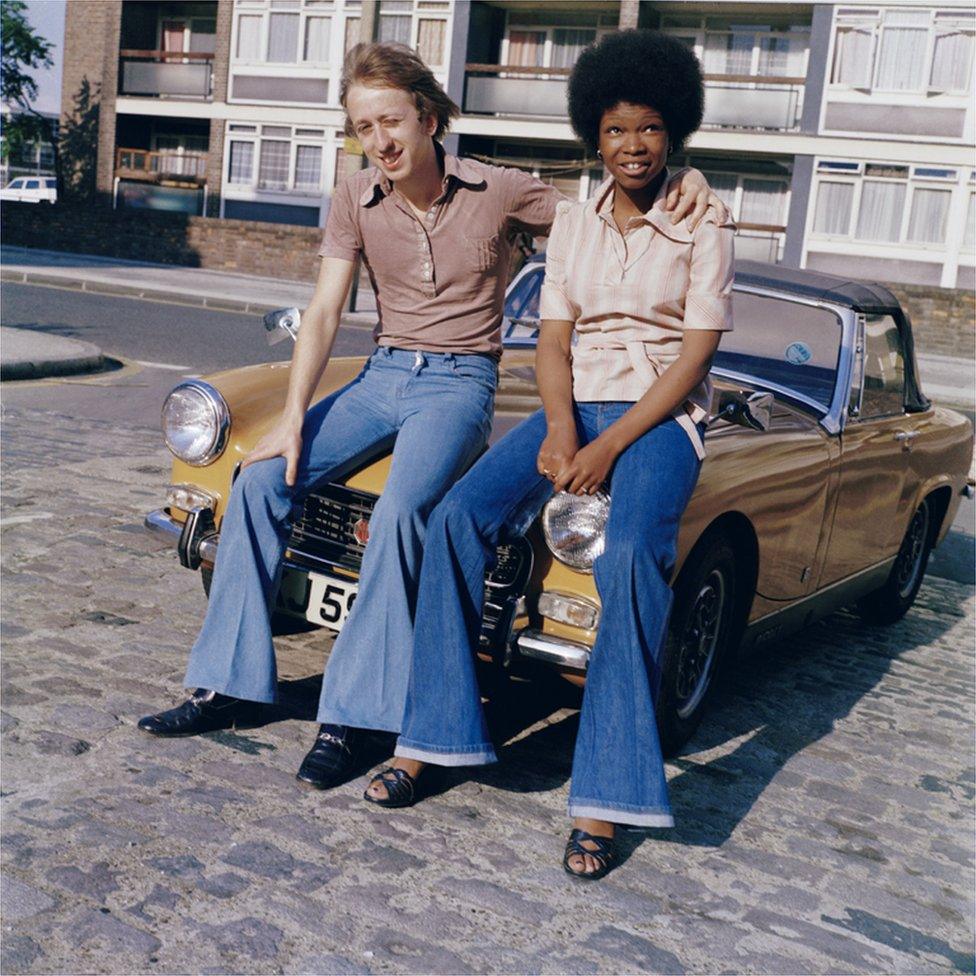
x=605 y=854
x=401 y=788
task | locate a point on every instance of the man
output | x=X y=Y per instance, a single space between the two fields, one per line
x=434 y=232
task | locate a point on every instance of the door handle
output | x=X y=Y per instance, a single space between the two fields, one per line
x=905 y=438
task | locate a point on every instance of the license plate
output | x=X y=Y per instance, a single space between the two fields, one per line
x=320 y=599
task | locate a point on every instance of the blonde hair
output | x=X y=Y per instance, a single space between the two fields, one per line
x=397 y=66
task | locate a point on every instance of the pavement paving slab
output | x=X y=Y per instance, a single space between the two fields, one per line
x=29 y=355
x=824 y=810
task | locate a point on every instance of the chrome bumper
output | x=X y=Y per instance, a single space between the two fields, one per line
x=528 y=643
x=160 y=522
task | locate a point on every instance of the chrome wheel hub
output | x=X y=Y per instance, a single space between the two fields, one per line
x=696 y=655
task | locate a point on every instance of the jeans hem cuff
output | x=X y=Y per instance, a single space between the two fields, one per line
x=361 y=722
x=618 y=816
x=228 y=689
x=480 y=758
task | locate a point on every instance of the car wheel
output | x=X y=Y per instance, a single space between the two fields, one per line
x=892 y=601
x=697 y=640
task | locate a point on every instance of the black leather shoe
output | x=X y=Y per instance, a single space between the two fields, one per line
x=332 y=759
x=204 y=711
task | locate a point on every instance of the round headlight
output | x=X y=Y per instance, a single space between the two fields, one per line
x=574 y=527
x=195 y=422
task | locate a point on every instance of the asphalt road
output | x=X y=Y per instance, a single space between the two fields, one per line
x=158 y=344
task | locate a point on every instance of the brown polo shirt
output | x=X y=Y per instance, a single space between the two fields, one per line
x=439 y=281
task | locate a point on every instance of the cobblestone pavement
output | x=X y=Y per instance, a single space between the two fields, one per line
x=825 y=812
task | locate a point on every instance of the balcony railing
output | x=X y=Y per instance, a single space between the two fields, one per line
x=180 y=74
x=165 y=165
x=731 y=101
x=759 y=242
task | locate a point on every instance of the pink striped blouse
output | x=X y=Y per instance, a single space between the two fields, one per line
x=631 y=296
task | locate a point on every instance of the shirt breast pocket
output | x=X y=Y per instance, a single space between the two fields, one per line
x=481 y=253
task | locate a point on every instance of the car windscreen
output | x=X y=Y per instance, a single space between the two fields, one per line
x=784 y=344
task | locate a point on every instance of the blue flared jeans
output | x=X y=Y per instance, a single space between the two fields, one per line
x=436 y=410
x=618 y=770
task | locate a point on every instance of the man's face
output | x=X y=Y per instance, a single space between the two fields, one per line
x=386 y=122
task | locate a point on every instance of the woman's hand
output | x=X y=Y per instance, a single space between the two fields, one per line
x=283 y=440
x=589 y=469
x=557 y=450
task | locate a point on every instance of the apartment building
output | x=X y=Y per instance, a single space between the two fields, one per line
x=842 y=135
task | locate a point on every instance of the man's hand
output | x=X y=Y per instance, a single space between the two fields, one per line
x=689 y=195
x=283 y=440
x=557 y=450
x=589 y=469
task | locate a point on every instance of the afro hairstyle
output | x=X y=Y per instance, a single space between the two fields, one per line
x=643 y=67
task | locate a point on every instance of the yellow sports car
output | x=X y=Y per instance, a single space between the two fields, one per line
x=829 y=479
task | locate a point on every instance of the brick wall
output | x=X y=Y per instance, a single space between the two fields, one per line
x=944 y=319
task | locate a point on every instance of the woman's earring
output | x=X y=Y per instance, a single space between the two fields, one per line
x=599 y=155
x=670 y=149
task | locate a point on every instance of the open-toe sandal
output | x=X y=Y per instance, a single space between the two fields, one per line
x=604 y=853
x=401 y=788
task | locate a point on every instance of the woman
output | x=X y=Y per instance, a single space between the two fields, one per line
x=649 y=301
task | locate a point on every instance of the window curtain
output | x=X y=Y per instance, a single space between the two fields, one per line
x=728 y=53
x=902 y=49
x=834 y=201
x=782 y=54
x=762 y=202
x=283 y=38
x=430 y=40
x=351 y=38
x=249 y=38
x=930 y=214
x=723 y=186
x=273 y=168
x=317 y=35
x=951 y=60
x=852 y=57
x=241 y=162
x=969 y=238
x=308 y=167
x=525 y=48
x=568 y=45
x=882 y=206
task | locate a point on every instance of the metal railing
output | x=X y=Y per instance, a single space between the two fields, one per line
x=731 y=100
x=164 y=164
x=181 y=74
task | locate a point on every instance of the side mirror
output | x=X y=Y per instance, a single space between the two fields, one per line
x=283 y=323
x=754 y=411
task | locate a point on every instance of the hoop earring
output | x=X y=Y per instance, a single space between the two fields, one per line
x=599 y=155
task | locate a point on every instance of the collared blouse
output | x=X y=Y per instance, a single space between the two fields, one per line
x=632 y=296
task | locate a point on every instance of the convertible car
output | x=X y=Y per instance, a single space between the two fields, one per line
x=829 y=479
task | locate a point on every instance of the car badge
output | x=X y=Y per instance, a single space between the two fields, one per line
x=360 y=531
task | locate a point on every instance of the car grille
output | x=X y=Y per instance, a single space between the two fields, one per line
x=322 y=537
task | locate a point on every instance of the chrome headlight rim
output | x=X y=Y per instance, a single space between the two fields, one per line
x=221 y=417
x=581 y=565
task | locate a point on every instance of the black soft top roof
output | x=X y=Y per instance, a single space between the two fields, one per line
x=863 y=296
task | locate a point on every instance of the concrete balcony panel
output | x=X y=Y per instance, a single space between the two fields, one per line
x=190 y=80
x=731 y=106
x=516 y=96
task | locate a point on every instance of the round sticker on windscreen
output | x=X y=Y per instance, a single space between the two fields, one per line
x=798 y=353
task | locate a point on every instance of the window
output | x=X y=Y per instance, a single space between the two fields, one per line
x=883 y=386
x=249 y=38
x=930 y=215
x=317 y=35
x=568 y=45
x=884 y=203
x=308 y=167
x=430 y=40
x=283 y=38
x=526 y=48
x=203 y=35
x=395 y=20
x=834 y=203
x=241 y=162
x=33 y=184
x=273 y=169
x=969 y=237
x=904 y=50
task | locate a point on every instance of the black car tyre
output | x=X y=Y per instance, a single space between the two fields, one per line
x=697 y=640
x=892 y=601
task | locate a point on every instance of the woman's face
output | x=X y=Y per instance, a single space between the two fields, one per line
x=633 y=143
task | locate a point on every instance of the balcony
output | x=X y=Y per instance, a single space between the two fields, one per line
x=164 y=167
x=759 y=242
x=166 y=74
x=731 y=101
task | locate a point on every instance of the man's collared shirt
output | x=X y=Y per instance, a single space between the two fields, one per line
x=632 y=296
x=439 y=279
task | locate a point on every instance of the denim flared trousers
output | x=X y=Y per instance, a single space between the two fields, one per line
x=435 y=409
x=618 y=770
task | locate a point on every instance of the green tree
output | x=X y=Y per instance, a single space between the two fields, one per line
x=23 y=51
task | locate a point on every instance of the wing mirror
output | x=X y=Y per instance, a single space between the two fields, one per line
x=283 y=323
x=754 y=411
